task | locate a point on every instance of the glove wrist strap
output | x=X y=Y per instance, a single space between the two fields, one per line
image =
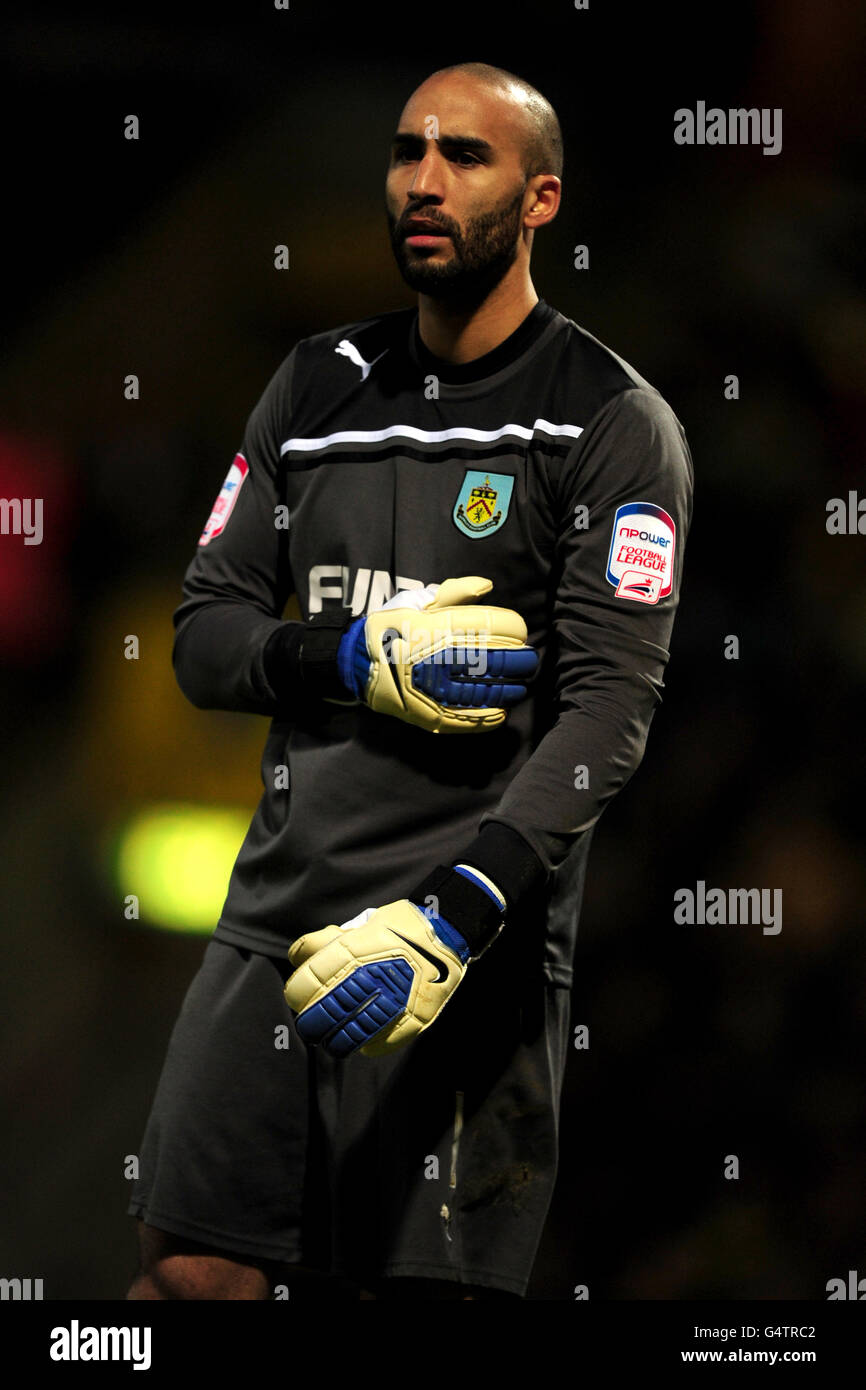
x=318 y=655
x=463 y=903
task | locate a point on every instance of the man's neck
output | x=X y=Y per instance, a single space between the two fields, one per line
x=458 y=334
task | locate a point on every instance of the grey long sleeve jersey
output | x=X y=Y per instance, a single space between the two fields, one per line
x=550 y=467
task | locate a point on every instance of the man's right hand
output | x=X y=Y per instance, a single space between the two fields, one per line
x=442 y=663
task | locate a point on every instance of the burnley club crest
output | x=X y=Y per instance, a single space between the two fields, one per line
x=482 y=503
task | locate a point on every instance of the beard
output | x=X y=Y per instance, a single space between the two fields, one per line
x=480 y=254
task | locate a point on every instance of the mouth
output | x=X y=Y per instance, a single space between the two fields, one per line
x=424 y=234
x=425 y=240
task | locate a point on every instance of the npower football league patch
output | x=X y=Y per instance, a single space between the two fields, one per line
x=641 y=560
x=226 y=498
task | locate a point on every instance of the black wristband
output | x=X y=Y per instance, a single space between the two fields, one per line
x=301 y=658
x=464 y=904
x=318 y=655
x=508 y=861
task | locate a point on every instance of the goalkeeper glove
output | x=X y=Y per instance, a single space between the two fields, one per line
x=380 y=980
x=448 y=667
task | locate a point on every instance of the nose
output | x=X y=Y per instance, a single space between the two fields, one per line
x=426 y=180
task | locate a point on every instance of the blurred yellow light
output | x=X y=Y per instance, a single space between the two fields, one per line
x=177 y=858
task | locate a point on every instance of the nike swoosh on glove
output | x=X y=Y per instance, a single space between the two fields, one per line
x=376 y=986
x=450 y=666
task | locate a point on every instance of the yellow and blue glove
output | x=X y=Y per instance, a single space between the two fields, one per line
x=435 y=659
x=379 y=980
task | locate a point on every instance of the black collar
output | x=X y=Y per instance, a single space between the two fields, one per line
x=455 y=373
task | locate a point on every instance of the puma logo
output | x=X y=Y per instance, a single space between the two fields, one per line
x=347 y=349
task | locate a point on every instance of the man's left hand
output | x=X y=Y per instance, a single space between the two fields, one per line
x=372 y=987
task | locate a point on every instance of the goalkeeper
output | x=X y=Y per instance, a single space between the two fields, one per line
x=479 y=511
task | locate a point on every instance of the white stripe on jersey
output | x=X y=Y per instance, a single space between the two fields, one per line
x=430 y=436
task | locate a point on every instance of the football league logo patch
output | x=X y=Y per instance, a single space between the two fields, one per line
x=482 y=503
x=226 y=498
x=640 y=564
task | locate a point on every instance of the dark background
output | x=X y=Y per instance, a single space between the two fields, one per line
x=156 y=257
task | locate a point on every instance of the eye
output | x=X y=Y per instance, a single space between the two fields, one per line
x=464 y=154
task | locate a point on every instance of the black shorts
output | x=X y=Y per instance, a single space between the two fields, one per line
x=436 y=1162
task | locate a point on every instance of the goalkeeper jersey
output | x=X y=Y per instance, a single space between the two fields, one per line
x=548 y=466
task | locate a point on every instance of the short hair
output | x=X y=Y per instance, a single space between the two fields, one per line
x=542 y=141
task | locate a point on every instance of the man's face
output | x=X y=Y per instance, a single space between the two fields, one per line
x=466 y=178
